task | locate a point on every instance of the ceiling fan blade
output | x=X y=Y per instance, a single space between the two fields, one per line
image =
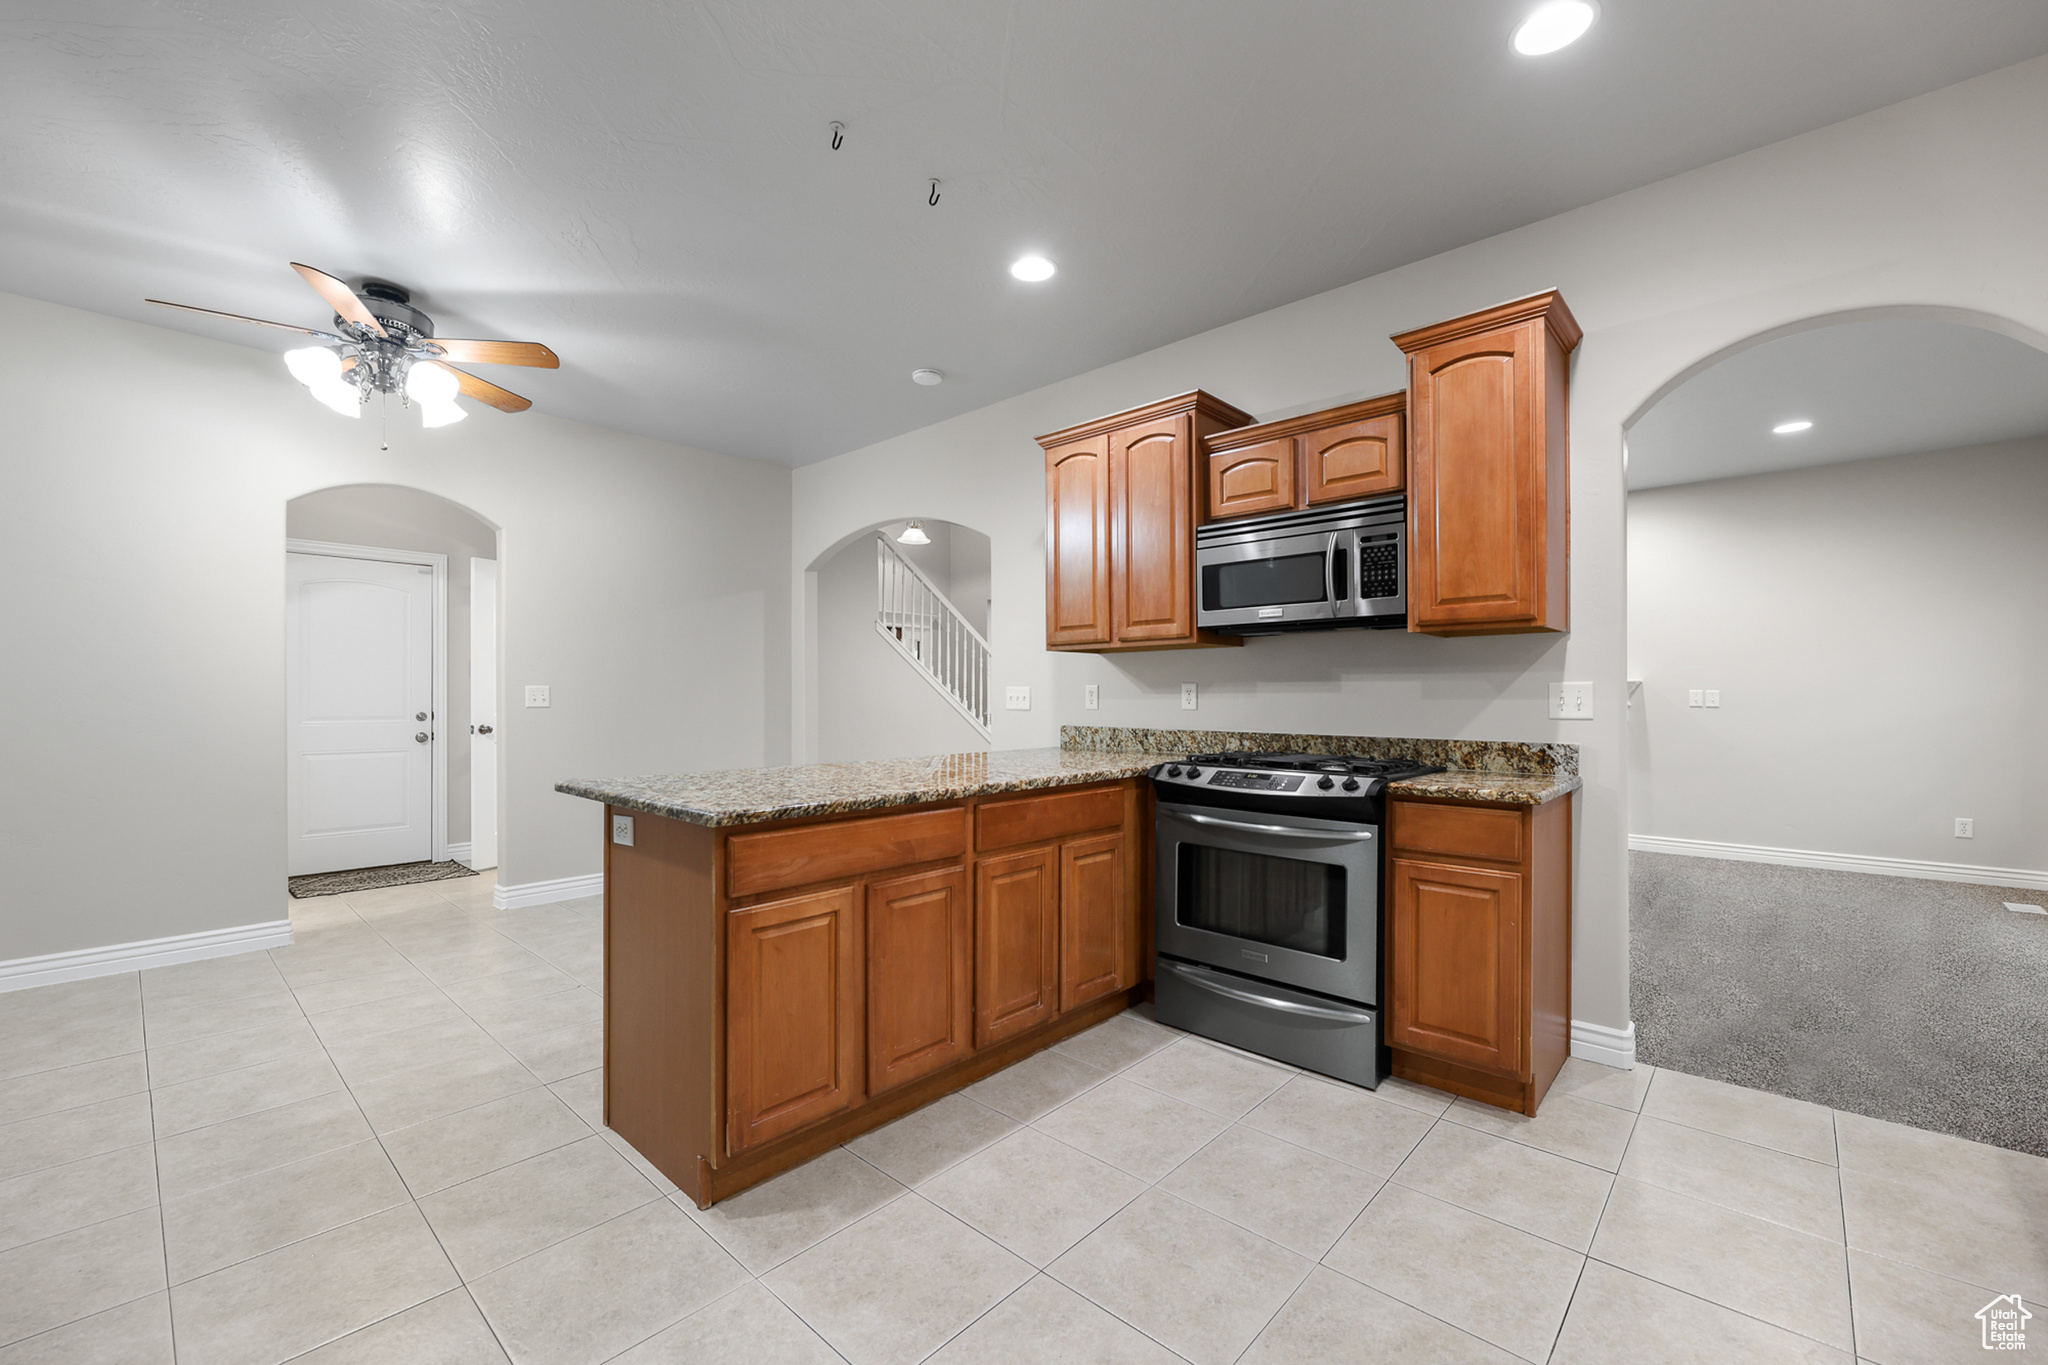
x=237 y=317
x=339 y=297
x=499 y=353
x=504 y=400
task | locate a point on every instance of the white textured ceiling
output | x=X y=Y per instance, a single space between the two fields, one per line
x=1870 y=389
x=647 y=186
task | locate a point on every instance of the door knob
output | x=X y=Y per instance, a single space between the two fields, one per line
x=483 y=729
x=420 y=738
x=421 y=716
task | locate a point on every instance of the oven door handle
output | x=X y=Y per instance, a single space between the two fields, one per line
x=1211 y=982
x=1274 y=829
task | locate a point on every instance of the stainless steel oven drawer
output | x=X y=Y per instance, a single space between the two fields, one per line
x=1325 y=1036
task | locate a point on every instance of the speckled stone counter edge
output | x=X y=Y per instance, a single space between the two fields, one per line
x=1465 y=755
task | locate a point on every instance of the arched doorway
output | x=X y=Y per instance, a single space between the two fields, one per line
x=1837 y=552
x=391 y=627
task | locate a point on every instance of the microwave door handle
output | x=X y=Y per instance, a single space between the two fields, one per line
x=1337 y=593
x=1275 y=829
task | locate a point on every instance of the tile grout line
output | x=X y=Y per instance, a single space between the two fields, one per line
x=1842 y=1205
x=1586 y=1259
x=156 y=1166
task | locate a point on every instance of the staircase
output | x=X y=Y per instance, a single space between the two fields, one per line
x=931 y=635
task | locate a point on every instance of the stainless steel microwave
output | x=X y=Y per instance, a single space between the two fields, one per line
x=1337 y=566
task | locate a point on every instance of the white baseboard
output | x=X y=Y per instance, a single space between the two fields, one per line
x=459 y=853
x=48 y=970
x=1843 y=862
x=1607 y=1046
x=505 y=897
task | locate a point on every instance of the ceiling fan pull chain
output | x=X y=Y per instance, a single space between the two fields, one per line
x=934 y=200
x=838 y=135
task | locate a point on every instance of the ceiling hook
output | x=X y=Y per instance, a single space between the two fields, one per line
x=934 y=200
x=838 y=135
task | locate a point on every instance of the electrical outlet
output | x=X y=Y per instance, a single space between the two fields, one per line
x=622 y=830
x=1017 y=698
x=536 y=695
x=1966 y=828
x=1571 y=701
x=1091 y=697
x=1696 y=697
x=1187 y=696
x=1713 y=696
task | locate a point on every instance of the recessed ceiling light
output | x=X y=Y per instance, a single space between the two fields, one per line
x=927 y=377
x=1789 y=428
x=1558 y=24
x=1032 y=269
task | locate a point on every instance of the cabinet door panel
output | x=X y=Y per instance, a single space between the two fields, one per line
x=1152 y=531
x=1251 y=479
x=1354 y=460
x=919 y=987
x=1098 y=949
x=1016 y=944
x=1457 y=953
x=793 y=1015
x=1477 y=492
x=1077 y=543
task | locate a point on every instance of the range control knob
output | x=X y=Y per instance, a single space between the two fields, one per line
x=1194 y=771
x=1174 y=771
x=1351 y=784
x=1325 y=783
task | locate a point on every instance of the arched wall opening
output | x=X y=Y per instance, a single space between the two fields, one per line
x=1837 y=552
x=401 y=518
x=867 y=701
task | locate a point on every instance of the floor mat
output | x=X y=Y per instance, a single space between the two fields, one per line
x=1915 y=1001
x=373 y=878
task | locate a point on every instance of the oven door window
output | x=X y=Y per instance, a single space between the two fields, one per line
x=1284 y=902
x=1272 y=582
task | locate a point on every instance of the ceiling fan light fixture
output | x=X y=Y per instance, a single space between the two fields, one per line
x=430 y=384
x=340 y=395
x=1555 y=25
x=441 y=414
x=913 y=534
x=313 y=365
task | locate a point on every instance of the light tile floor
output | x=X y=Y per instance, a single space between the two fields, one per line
x=383 y=1144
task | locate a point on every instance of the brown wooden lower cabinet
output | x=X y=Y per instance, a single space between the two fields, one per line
x=920 y=985
x=845 y=1004
x=793 y=1014
x=1479 y=947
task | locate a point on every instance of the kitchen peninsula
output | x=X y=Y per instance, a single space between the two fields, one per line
x=796 y=955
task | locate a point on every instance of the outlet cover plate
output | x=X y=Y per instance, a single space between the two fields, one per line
x=537 y=694
x=1187 y=696
x=622 y=830
x=1091 y=697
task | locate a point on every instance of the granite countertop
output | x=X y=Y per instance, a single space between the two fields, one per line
x=746 y=796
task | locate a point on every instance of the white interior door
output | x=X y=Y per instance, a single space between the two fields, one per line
x=359 y=701
x=483 y=713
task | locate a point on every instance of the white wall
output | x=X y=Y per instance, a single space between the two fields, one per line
x=1878 y=632
x=407 y=519
x=142 y=525
x=1920 y=204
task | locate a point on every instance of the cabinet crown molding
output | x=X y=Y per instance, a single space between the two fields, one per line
x=1549 y=306
x=1383 y=406
x=1194 y=400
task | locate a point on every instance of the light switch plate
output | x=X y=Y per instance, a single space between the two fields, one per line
x=1017 y=698
x=1187 y=696
x=1091 y=697
x=1696 y=697
x=622 y=830
x=536 y=695
x=1571 y=701
x=1713 y=696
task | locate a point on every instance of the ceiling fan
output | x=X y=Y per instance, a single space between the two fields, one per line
x=385 y=345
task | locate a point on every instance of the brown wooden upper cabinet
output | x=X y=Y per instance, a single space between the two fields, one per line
x=1123 y=495
x=1488 y=470
x=1356 y=451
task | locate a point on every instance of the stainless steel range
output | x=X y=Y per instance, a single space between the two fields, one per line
x=1269 y=883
